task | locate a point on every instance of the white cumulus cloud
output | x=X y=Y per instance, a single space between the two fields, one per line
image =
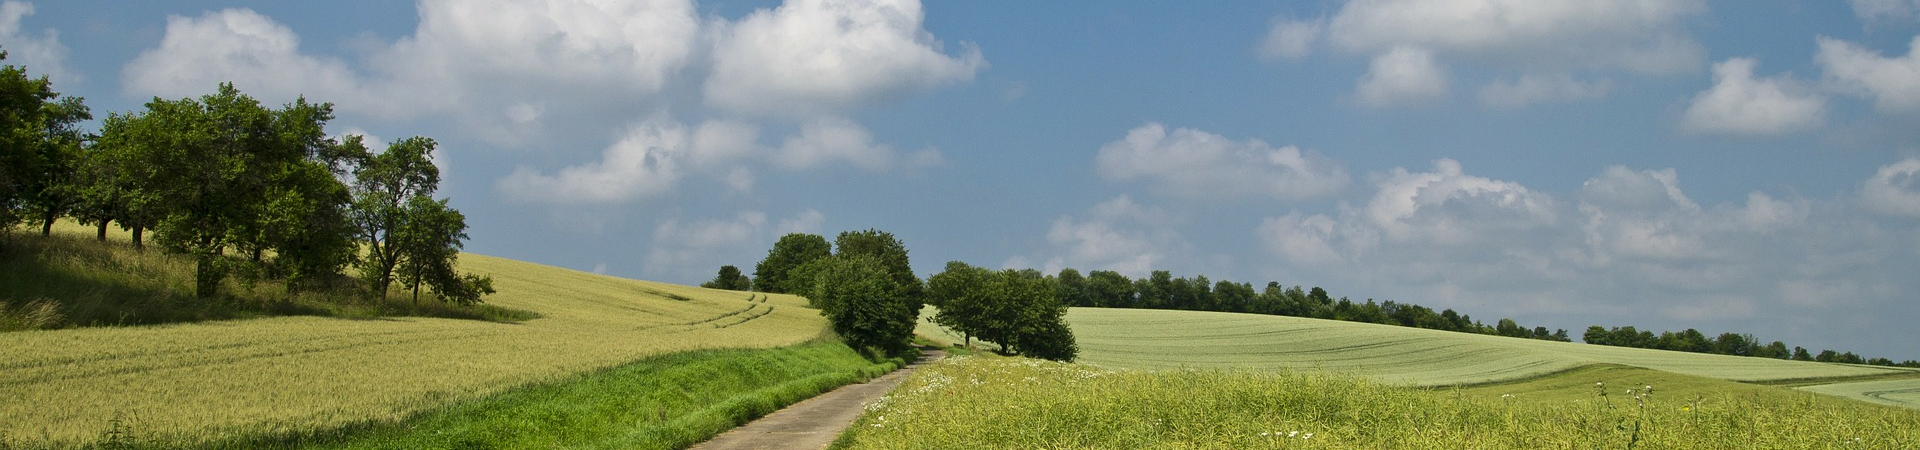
x=648 y=161
x=530 y=73
x=1740 y=104
x=1118 y=234
x=830 y=139
x=809 y=56
x=1402 y=75
x=689 y=250
x=1892 y=83
x=1629 y=247
x=40 y=55
x=1447 y=206
x=1197 y=164
x=1885 y=9
x=1291 y=39
x=1545 y=42
x=1894 y=189
x=257 y=54
x=490 y=63
x=1643 y=36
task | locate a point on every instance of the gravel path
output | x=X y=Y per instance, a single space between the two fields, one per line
x=813 y=423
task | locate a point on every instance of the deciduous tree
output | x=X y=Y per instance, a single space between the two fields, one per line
x=864 y=305
x=891 y=253
x=729 y=278
x=382 y=190
x=40 y=144
x=790 y=252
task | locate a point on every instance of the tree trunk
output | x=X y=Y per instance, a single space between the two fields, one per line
x=46 y=227
x=100 y=233
x=205 y=282
x=138 y=244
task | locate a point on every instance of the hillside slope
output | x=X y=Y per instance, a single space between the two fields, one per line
x=189 y=382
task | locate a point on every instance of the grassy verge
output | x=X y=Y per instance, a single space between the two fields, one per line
x=664 y=402
x=990 y=402
x=70 y=279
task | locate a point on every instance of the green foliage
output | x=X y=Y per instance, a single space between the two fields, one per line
x=110 y=181
x=963 y=307
x=384 y=188
x=39 y=148
x=789 y=253
x=224 y=173
x=730 y=279
x=892 y=255
x=984 y=402
x=430 y=249
x=1018 y=310
x=78 y=281
x=863 y=303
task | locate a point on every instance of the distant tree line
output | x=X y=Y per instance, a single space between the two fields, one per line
x=1161 y=290
x=1736 y=344
x=237 y=186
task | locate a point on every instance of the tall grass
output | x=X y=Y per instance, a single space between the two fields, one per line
x=985 y=402
x=89 y=282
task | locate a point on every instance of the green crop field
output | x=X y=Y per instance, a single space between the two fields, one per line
x=1154 y=339
x=212 y=380
x=987 y=402
x=1901 y=392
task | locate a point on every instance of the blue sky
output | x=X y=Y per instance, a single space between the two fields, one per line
x=1668 y=164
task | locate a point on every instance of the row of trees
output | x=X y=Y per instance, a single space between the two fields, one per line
x=238 y=186
x=1736 y=344
x=1161 y=290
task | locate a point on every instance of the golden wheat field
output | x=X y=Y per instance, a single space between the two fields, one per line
x=192 y=382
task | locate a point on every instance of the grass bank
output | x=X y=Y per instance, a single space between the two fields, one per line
x=70 y=279
x=663 y=402
x=985 y=402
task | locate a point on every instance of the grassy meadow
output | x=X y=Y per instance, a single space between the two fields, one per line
x=983 y=402
x=192 y=383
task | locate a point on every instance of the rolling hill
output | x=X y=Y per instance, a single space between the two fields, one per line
x=188 y=382
x=1163 y=339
